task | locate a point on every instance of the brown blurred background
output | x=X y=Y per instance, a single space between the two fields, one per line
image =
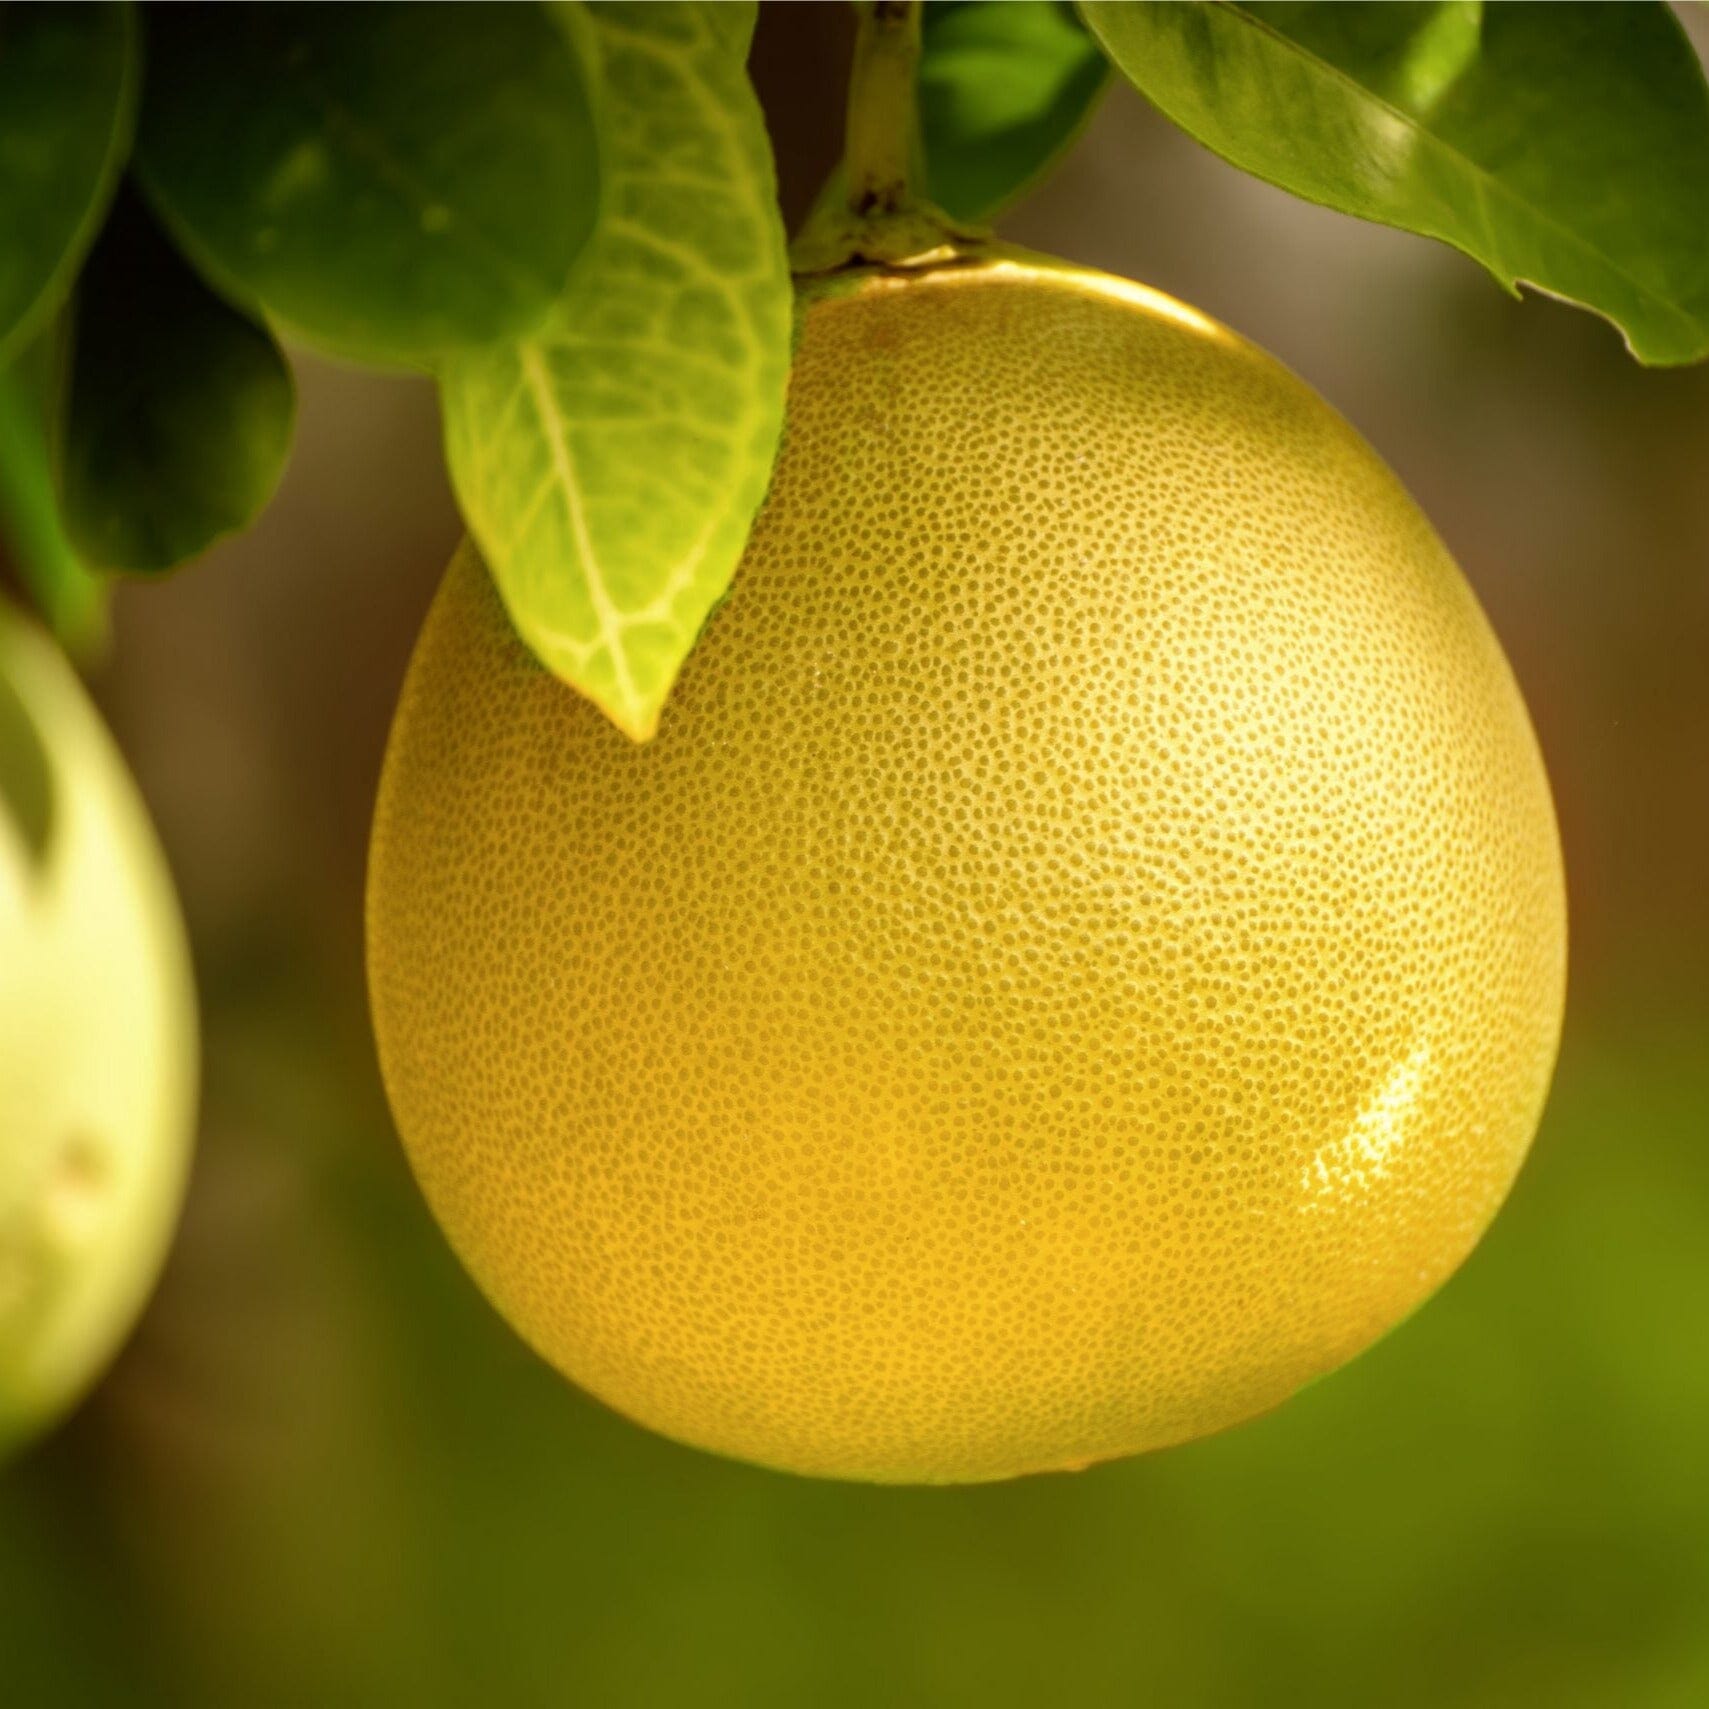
x=325 y=1473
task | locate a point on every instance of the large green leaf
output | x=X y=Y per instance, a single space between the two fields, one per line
x=392 y=182
x=179 y=411
x=67 y=102
x=1563 y=146
x=68 y=594
x=1005 y=87
x=610 y=466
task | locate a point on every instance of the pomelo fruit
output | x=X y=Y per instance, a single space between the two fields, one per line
x=97 y=1046
x=1082 y=956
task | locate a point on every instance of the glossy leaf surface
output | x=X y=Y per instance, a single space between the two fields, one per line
x=1562 y=146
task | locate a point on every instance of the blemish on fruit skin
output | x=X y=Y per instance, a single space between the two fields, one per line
x=76 y=1192
x=435 y=219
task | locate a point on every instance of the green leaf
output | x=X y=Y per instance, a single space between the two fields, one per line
x=1565 y=147
x=69 y=595
x=179 y=412
x=67 y=104
x=391 y=182
x=26 y=773
x=1005 y=87
x=609 y=468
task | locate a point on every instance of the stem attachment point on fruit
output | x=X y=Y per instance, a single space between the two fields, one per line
x=873 y=213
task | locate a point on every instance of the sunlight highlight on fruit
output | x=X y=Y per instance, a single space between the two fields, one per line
x=97 y=1055
x=1082 y=957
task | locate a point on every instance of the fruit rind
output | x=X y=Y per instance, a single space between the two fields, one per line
x=1082 y=956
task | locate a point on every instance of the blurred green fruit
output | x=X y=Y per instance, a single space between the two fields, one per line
x=97 y=1041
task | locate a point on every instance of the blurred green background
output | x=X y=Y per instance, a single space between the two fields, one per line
x=324 y=1473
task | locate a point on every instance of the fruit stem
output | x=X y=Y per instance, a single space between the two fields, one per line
x=47 y=564
x=882 y=138
x=872 y=212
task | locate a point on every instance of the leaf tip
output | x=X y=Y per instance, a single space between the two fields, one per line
x=639 y=723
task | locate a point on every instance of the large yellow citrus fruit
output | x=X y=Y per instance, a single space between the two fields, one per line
x=1083 y=955
x=97 y=1046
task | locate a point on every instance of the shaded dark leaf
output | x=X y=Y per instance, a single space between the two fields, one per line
x=179 y=409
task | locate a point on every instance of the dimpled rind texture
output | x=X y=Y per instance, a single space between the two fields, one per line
x=97 y=1057
x=1083 y=955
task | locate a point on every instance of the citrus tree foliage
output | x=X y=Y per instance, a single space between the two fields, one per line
x=566 y=213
